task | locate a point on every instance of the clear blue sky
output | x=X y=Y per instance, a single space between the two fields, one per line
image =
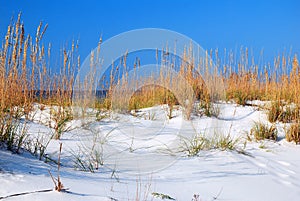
x=271 y=25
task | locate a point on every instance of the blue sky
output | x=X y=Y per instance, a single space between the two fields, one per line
x=271 y=25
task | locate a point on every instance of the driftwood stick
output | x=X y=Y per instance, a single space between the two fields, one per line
x=26 y=193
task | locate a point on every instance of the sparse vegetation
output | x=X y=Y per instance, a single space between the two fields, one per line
x=193 y=146
x=14 y=134
x=208 y=109
x=38 y=146
x=90 y=157
x=60 y=117
x=224 y=142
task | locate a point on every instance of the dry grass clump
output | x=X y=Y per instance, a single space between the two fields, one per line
x=286 y=113
x=243 y=81
x=242 y=87
x=260 y=131
x=13 y=90
x=275 y=112
x=15 y=97
x=133 y=89
x=247 y=81
x=208 y=109
x=293 y=133
x=152 y=95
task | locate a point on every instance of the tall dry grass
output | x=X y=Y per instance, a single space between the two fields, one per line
x=16 y=98
x=169 y=84
x=236 y=78
x=280 y=81
x=26 y=78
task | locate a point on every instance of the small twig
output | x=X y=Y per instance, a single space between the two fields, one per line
x=52 y=178
x=59 y=186
x=50 y=159
x=244 y=153
x=217 y=196
x=112 y=199
x=26 y=193
x=57 y=183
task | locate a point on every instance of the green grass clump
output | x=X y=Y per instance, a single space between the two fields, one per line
x=193 y=146
x=13 y=134
x=162 y=196
x=218 y=141
x=261 y=131
x=224 y=142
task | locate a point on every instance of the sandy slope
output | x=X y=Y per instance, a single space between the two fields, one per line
x=142 y=156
